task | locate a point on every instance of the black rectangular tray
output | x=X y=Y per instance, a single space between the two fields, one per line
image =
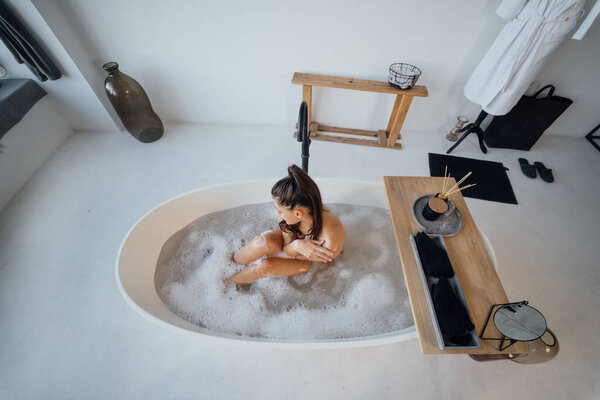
x=428 y=282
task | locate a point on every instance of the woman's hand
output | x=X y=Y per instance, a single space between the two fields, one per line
x=312 y=249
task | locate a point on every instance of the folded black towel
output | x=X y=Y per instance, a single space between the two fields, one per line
x=17 y=96
x=452 y=316
x=434 y=258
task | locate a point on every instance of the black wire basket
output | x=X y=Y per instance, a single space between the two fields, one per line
x=403 y=75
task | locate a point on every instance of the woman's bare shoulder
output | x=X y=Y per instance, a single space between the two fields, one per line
x=333 y=232
x=331 y=222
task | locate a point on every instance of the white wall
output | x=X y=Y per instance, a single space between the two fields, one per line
x=81 y=54
x=28 y=145
x=232 y=61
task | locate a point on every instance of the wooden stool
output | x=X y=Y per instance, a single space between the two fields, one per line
x=381 y=138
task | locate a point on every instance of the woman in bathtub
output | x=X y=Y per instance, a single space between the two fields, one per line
x=307 y=232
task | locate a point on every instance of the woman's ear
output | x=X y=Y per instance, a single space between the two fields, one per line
x=298 y=213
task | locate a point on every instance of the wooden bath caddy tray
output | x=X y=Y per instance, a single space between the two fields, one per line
x=470 y=259
x=381 y=138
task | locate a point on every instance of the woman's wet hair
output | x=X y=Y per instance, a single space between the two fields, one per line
x=298 y=189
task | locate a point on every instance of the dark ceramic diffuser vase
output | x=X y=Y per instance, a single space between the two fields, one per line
x=132 y=105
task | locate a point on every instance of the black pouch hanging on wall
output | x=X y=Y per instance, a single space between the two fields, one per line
x=527 y=121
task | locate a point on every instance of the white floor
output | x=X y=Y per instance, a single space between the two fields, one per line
x=68 y=334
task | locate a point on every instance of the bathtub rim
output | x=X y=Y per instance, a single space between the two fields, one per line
x=354 y=342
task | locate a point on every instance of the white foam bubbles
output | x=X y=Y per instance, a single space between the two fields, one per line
x=361 y=293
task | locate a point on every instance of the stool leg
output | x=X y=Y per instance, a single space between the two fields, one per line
x=394 y=112
x=398 y=118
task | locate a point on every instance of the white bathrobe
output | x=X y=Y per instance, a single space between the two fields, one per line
x=535 y=28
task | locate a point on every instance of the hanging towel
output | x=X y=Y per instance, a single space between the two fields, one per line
x=24 y=47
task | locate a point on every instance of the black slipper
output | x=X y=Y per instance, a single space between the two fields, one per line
x=528 y=169
x=545 y=173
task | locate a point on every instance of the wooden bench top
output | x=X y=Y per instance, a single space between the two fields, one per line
x=472 y=265
x=356 y=84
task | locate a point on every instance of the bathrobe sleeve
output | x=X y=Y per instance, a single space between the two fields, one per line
x=509 y=9
x=587 y=23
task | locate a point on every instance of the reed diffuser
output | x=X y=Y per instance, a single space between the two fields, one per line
x=439 y=204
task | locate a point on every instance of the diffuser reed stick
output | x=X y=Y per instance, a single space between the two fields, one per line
x=445 y=178
x=459 y=189
x=445 y=194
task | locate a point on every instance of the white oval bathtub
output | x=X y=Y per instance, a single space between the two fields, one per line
x=139 y=252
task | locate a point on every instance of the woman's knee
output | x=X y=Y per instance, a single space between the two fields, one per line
x=265 y=244
x=273 y=241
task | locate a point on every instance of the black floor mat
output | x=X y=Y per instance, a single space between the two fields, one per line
x=491 y=179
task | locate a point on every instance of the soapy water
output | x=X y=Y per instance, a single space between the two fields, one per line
x=361 y=293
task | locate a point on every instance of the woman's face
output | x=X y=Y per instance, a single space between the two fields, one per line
x=290 y=217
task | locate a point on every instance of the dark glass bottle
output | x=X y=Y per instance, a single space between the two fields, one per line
x=132 y=105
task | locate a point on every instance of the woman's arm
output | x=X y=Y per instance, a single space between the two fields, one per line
x=307 y=249
x=329 y=246
x=334 y=236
